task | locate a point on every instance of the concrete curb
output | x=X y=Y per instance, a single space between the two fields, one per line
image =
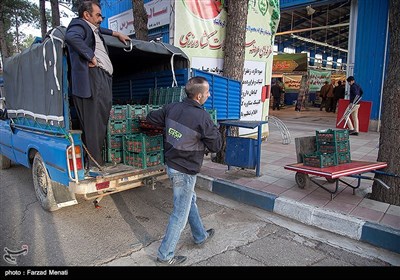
x=352 y=227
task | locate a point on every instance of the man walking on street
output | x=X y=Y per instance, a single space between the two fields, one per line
x=189 y=131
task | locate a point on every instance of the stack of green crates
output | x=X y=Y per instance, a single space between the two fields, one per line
x=116 y=128
x=143 y=151
x=333 y=148
x=166 y=95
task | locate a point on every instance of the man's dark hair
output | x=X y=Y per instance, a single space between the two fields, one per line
x=350 y=78
x=339 y=82
x=194 y=86
x=87 y=6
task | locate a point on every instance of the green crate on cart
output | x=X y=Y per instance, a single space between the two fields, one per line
x=119 y=112
x=142 y=143
x=333 y=147
x=319 y=160
x=332 y=135
x=343 y=157
x=143 y=160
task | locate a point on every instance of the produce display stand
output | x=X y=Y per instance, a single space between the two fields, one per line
x=333 y=174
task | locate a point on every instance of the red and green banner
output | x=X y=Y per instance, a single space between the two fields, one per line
x=287 y=63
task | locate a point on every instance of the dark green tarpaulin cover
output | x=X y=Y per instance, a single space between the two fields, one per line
x=33 y=79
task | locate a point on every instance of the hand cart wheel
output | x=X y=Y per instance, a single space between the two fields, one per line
x=331 y=180
x=302 y=180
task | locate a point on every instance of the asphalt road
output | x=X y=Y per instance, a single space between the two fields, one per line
x=127 y=230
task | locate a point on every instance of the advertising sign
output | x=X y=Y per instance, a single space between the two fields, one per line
x=286 y=63
x=317 y=79
x=200 y=28
x=158 y=12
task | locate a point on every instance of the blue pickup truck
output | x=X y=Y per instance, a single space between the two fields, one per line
x=39 y=129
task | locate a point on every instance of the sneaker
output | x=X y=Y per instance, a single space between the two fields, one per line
x=174 y=261
x=211 y=233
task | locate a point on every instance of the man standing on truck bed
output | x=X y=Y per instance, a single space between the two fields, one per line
x=189 y=131
x=91 y=76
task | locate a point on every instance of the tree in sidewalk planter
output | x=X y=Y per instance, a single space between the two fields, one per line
x=389 y=141
x=234 y=53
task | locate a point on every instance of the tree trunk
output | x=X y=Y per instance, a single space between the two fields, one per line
x=234 y=53
x=3 y=42
x=235 y=39
x=55 y=13
x=140 y=20
x=389 y=141
x=43 y=21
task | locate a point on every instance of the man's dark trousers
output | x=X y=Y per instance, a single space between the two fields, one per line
x=94 y=112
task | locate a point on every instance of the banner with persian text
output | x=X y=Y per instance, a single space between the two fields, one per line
x=291 y=83
x=200 y=32
x=290 y=62
x=158 y=12
x=317 y=79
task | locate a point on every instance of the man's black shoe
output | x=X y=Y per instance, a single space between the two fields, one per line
x=354 y=133
x=211 y=233
x=176 y=260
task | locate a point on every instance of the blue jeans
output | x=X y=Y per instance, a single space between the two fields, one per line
x=185 y=208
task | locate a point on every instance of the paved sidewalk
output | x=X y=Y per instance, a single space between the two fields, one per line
x=276 y=190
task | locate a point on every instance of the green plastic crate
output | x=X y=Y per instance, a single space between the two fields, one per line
x=114 y=141
x=343 y=158
x=119 y=112
x=333 y=147
x=117 y=127
x=142 y=143
x=115 y=155
x=143 y=160
x=320 y=160
x=332 y=135
x=137 y=111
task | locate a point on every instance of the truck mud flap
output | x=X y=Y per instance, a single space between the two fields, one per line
x=63 y=195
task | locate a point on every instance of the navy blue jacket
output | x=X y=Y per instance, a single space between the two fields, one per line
x=355 y=90
x=188 y=131
x=81 y=45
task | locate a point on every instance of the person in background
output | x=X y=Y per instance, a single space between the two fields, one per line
x=338 y=93
x=189 y=131
x=276 y=92
x=355 y=96
x=322 y=93
x=329 y=97
x=303 y=94
x=91 y=77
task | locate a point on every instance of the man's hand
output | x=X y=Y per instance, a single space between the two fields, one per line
x=122 y=37
x=93 y=62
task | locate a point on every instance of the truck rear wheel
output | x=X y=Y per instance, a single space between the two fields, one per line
x=43 y=185
x=5 y=163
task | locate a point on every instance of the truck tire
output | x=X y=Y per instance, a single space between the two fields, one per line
x=43 y=185
x=5 y=163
